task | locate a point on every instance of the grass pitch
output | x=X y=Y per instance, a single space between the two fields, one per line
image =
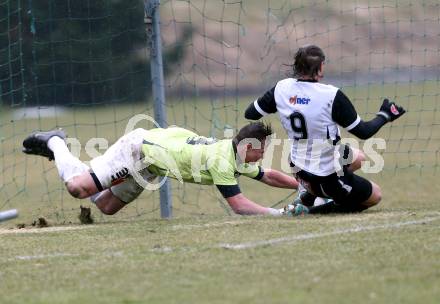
x=381 y=256
x=389 y=254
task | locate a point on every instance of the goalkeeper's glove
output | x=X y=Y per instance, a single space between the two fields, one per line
x=294 y=210
x=390 y=110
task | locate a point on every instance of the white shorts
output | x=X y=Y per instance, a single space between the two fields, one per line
x=121 y=167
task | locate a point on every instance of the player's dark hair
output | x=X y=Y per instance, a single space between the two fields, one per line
x=308 y=60
x=258 y=130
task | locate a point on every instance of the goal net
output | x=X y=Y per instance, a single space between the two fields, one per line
x=84 y=66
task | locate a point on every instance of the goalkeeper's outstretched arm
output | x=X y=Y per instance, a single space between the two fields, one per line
x=278 y=179
x=244 y=206
x=240 y=204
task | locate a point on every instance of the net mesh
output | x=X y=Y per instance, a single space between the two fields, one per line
x=84 y=66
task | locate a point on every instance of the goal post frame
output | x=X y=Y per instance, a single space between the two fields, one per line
x=152 y=14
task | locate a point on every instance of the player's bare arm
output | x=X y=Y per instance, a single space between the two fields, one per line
x=278 y=179
x=240 y=204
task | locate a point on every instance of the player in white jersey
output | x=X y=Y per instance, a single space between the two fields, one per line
x=311 y=113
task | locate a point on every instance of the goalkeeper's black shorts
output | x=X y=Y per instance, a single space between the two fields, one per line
x=348 y=189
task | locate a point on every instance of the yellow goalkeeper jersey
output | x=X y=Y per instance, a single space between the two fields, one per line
x=181 y=154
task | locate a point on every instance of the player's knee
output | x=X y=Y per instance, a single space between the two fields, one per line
x=376 y=196
x=76 y=190
x=109 y=207
x=107 y=210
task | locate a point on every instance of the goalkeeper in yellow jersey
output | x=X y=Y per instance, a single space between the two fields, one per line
x=132 y=164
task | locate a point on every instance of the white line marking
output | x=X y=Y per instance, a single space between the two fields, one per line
x=44 y=256
x=117 y=254
x=42 y=230
x=308 y=236
x=208 y=225
x=162 y=249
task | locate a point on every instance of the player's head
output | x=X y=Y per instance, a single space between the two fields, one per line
x=251 y=139
x=309 y=62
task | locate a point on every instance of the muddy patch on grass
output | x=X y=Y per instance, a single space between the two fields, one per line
x=85 y=216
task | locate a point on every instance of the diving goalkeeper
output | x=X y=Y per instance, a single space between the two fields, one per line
x=132 y=164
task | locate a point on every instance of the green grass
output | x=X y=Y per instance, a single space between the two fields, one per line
x=184 y=261
x=134 y=257
x=32 y=184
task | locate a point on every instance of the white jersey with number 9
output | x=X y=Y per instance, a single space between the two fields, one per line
x=305 y=110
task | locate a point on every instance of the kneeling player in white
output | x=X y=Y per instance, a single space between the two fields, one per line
x=119 y=176
x=311 y=113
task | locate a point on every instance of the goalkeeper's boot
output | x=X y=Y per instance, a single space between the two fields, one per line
x=36 y=142
x=295 y=210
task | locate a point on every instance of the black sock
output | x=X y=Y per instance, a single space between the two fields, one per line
x=332 y=207
x=307 y=199
x=326 y=208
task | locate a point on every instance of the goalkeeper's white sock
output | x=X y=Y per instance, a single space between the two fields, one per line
x=68 y=165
